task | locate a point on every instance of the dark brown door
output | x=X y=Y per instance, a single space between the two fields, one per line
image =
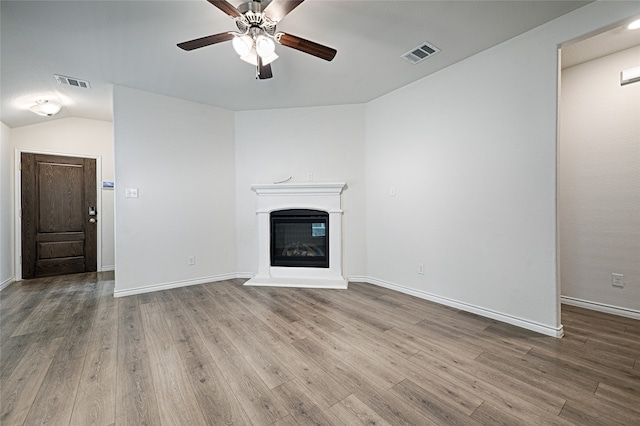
x=59 y=231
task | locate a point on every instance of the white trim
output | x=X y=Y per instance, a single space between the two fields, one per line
x=173 y=284
x=304 y=189
x=601 y=307
x=519 y=322
x=108 y=268
x=6 y=283
x=18 y=204
x=17 y=231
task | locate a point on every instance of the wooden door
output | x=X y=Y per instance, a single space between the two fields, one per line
x=59 y=235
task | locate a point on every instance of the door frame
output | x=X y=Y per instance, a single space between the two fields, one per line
x=18 y=204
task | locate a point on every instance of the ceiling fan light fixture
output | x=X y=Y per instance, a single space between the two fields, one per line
x=266 y=60
x=243 y=45
x=46 y=108
x=251 y=57
x=256 y=40
x=265 y=46
x=634 y=25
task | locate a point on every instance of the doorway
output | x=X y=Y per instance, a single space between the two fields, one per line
x=599 y=173
x=59 y=215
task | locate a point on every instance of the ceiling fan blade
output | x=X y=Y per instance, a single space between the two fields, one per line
x=226 y=7
x=306 y=46
x=278 y=9
x=205 y=41
x=264 y=71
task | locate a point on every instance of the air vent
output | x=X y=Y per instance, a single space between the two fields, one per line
x=70 y=81
x=420 y=53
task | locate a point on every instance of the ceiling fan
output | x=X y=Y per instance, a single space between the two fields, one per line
x=255 y=41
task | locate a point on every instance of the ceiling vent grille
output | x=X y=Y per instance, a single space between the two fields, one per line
x=420 y=53
x=70 y=81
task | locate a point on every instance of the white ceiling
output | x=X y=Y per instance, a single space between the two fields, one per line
x=608 y=41
x=133 y=43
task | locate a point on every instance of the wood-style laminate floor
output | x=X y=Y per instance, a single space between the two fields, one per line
x=222 y=354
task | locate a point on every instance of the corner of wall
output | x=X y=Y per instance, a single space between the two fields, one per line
x=7 y=203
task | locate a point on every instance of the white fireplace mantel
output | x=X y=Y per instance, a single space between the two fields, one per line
x=314 y=196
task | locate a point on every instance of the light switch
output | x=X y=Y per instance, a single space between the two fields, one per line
x=131 y=193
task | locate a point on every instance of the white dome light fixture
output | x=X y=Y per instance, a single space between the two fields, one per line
x=46 y=108
x=634 y=25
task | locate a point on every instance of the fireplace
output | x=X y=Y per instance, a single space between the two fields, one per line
x=300 y=238
x=299 y=235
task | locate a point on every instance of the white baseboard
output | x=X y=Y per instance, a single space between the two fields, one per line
x=519 y=322
x=174 y=284
x=244 y=275
x=4 y=284
x=108 y=268
x=601 y=307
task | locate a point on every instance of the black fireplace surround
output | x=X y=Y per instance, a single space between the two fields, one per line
x=300 y=238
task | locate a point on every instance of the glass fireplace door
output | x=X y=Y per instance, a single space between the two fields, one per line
x=300 y=238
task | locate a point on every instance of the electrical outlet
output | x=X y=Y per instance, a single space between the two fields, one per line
x=310 y=177
x=392 y=191
x=191 y=260
x=617 y=280
x=421 y=268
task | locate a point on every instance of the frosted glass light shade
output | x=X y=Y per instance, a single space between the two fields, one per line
x=252 y=58
x=268 y=59
x=265 y=46
x=242 y=45
x=46 y=108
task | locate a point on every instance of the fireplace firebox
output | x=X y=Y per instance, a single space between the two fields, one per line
x=300 y=238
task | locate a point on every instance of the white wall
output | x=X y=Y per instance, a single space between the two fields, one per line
x=180 y=157
x=599 y=182
x=327 y=142
x=7 y=259
x=471 y=152
x=83 y=137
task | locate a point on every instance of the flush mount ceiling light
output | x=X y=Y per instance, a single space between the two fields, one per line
x=256 y=40
x=46 y=108
x=634 y=25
